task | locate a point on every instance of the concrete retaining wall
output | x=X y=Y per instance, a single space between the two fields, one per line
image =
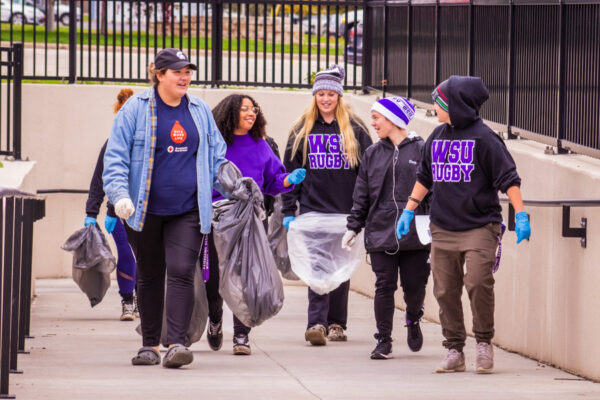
x=547 y=293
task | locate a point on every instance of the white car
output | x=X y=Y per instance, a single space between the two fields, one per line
x=61 y=11
x=20 y=14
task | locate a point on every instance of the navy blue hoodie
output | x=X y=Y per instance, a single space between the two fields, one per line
x=466 y=163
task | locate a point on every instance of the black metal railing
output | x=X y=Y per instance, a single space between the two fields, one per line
x=275 y=43
x=18 y=212
x=539 y=60
x=11 y=74
x=567 y=230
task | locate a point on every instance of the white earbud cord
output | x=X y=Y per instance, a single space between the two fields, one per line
x=394 y=160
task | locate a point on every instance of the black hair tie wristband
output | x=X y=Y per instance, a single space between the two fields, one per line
x=415 y=200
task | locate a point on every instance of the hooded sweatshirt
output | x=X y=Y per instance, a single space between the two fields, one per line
x=379 y=197
x=466 y=163
x=329 y=181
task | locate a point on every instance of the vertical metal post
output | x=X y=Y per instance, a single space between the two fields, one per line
x=367 y=46
x=561 y=95
x=409 y=50
x=437 y=44
x=16 y=284
x=384 y=83
x=26 y=256
x=471 y=60
x=16 y=111
x=6 y=295
x=72 y=41
x=217 y=42
x=510 y=101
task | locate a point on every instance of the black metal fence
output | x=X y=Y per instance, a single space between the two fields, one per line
x=539 y=59
x=11 y=73
x=276 y=43
x=18 y=212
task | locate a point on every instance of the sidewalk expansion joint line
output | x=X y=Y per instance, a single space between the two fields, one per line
x=287 y=371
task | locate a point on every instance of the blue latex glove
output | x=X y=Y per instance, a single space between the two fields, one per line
x=404 y=223
x=522 y=228
x=109 y=223
x=89 y=221
x=297 y=176
x=286 y=222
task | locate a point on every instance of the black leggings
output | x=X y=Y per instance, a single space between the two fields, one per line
x=167 y=244
x=414 y=272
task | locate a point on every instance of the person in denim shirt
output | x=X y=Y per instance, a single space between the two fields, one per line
x=160 y=168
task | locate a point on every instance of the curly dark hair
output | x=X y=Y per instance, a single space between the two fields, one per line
x=227 y=117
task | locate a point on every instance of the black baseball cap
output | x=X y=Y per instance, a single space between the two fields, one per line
x=174 y=59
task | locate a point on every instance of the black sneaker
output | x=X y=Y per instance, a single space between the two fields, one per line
x=383 y=350
x=241 y=345
x=414 y=337
x=214 y=335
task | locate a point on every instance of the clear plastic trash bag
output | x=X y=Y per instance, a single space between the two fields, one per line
x=93 y=262
x=199 y=313
x=248 y=278
x=278 y=241
x=316 y=254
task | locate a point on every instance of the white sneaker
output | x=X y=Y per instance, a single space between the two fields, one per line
x=127 y=311
x=484 y=363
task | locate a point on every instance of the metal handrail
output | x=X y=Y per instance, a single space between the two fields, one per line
x=566 y=204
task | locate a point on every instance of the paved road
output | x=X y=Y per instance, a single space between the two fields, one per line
x=83 y=353
x=124 y=65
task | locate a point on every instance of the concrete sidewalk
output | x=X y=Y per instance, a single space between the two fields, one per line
x=83 y=353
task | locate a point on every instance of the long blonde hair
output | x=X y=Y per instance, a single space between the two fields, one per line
x=343 y=116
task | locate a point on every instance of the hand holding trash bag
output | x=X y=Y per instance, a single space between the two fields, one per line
x=287 y=220
x=89 y=221
x=348 y=240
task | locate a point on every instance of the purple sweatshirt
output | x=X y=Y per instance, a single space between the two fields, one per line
x=256 y=160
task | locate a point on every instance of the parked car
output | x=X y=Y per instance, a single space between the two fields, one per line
x=314 y=22
x=347 y=24
x=350 y=49
x=20 y=14
x=61 y=11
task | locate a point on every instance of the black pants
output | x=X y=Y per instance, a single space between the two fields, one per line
x=414 y=272
x=330 y=308
x=167 y=244
x=215 y=301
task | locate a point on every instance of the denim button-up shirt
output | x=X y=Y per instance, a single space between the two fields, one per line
x=129 y=156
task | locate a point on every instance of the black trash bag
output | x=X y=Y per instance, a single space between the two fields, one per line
x=248 y=278
x=93 y=262
x=199 y=313
x=278 y=242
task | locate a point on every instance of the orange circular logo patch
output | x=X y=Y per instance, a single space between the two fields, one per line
x=178 y=134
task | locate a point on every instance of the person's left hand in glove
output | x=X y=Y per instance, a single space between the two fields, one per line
x=522 y=227
x=109 y=223
x=348 y=240
x=295 y=177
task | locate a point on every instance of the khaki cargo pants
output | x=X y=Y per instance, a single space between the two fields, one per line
x=451 y=254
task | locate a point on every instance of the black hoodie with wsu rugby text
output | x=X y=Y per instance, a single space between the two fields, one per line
x=466 y=163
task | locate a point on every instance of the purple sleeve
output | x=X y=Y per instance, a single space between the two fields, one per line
x=274 y=174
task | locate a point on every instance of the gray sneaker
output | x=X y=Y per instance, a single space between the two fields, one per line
x=336 y=333
x=454 y=362
x=484 y=363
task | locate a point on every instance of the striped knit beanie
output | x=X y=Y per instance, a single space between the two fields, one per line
x=330 y=79
x=440 y=95
x=397 y=109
